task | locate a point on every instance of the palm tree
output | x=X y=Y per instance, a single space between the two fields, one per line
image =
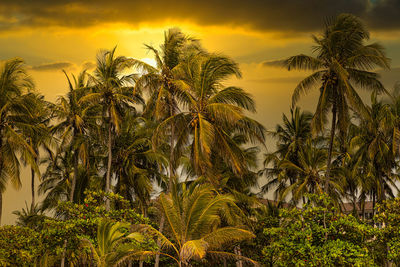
x=15 y=110
x=73 y=123
x=374 y=152
x=159 y=81
x=38 y=135
x=112 y=243
x=293 y=133
x=291 y=137
x=310 y=167
x=135 y=163
x=57 y=180
x=211 y=113
x=194 y=216
x=342 y=62
x=29 y=217
x=111 y=91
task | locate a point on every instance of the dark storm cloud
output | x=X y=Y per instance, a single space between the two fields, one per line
x=385 y=14
x=53 y=66
x=282 y=15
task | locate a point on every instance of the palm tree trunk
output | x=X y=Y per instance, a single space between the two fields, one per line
x=71 y=199
x=238 y=252
x=1 y=193
x=328 y=168
x=33 y=189
x=1 y=205
x=373 y=204
x=73 y=184
x=63 y=253
x=171 y=151
x=162 y=221
x=33 y=177
x=108 y=177
x=170 y=180
x=363 y=210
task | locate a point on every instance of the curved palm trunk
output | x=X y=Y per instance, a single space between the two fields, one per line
x=108 y=176
x=333 y=129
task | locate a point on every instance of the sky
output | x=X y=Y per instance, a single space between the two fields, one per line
x=67 y=34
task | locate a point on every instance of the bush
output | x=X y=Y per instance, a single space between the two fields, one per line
x=19 y=246
x=319 y=236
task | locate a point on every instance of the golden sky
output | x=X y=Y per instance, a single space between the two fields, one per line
x=66 y=34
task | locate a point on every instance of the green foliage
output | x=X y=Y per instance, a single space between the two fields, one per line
x=74 y=223
x=388 y=216
x=188 y=114
x=318 y=235
x=193 y=218
x=82 y=221
x=265 y=217
x=115 y=243
x=19 y=246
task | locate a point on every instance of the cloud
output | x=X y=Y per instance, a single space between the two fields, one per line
x=88 y=65
x=275 y=15
x=384 y=14
x=295 y=79
x=272 y=63
x=53 y=66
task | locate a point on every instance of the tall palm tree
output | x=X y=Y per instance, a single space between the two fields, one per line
x=57 y=180
x=194 y=216
x=293 y=133
x=211 y=112
x=111 y=90
x=15 y=110
x=74 y=123
x=310 y=168
x=159 y=81
x=291 y=137
x=342 y=61
x=38 y=135
x=375 y=153
x=135 y=163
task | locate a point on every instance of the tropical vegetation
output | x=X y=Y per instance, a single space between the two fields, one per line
x=160 y=165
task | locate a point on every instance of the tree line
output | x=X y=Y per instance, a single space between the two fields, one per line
x=159 y=164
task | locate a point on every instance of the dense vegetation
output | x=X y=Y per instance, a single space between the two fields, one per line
x=158 y=165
